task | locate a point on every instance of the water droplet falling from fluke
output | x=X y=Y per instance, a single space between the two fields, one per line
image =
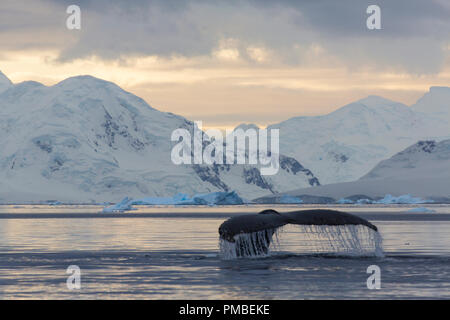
x=309 y=232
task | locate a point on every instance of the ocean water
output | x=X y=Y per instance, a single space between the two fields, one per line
x=173 y=253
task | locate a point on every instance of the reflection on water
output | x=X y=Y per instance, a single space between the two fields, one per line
x=177 y=258
x=148 y=234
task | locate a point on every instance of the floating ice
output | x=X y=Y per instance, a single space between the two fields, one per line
x=345 y=201
x=213 y=198
x=422 y=210
x=54 y=203
x=290 y=200
x=342 y=240
x=388 y=199
x=179 y=198
x=358 y=201
x=403 y=199
x=218 y=198
x=122 y=206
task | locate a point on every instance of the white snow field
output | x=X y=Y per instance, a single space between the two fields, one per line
x=418 y=174
x=346 y=144
x=86 y=140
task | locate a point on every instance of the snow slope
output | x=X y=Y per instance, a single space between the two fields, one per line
x=345 y=144
x=5 y=83
x=421 y=170
x=87 y=140
x=436 y=103
x=423 y=160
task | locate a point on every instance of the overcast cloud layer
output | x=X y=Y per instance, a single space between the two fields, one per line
x=248 y=51
x=112 y=29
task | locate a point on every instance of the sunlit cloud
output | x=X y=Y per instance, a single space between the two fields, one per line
x=225 y=63
x=258 y=54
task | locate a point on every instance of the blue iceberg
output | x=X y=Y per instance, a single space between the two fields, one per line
x=422 y=210
x=345 y=201
x=285 y=199
x=388 y=199
x=210 y=199
x=124 y=205
x=404 y=199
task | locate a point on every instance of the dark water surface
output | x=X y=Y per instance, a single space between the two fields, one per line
x=172 y=253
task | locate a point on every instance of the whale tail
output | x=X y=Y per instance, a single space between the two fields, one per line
x=251 y=235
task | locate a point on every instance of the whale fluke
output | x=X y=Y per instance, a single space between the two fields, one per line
x=267 y=221
x=325 y=217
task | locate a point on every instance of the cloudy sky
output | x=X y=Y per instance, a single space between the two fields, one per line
x=234 y=61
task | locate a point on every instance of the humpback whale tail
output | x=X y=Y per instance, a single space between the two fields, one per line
x=251 y=235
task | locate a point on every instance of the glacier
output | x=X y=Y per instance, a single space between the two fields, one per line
x=210 y=199
x=403 y=199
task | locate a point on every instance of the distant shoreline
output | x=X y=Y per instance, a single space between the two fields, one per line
x=373 y=216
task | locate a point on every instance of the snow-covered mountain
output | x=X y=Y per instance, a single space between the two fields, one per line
x=85 y=139
x=345 y=144
x=5 y=83
x=435 y=103
x=421 y=170
x=423 y=160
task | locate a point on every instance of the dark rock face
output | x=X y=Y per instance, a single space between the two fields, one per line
x=253 y=176
x=56 y=163
x=339 y=157
x=44 y=143
x=293 y=166
x=427 y=146
x=112 y=129
x=211 y=174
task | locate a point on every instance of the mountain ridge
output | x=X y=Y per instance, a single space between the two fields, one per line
x=421 y=170
x=83 y=128
x=345 y=144
x=5 y=83
x=85 y=139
